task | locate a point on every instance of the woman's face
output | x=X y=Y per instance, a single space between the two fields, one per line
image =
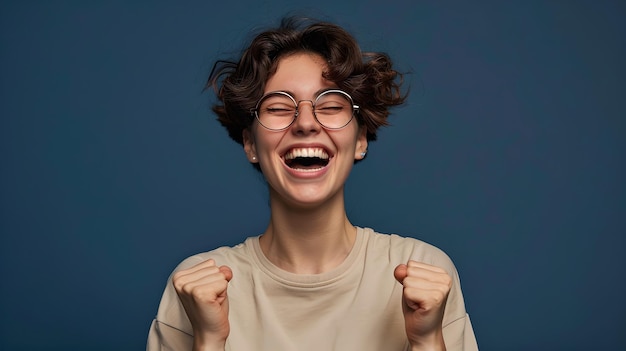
x=305 y=164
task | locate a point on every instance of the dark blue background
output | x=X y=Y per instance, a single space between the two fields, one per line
x=510 y=156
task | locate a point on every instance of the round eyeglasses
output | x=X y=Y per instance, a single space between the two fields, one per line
x=332 y=109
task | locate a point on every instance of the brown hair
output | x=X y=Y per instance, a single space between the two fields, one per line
x=368 y=77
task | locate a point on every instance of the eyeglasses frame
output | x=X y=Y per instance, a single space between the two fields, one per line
x=255 y=110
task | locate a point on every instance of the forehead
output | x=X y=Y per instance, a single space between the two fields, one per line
x=299 y=73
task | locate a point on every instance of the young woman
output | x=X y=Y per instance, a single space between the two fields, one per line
x=304 y=102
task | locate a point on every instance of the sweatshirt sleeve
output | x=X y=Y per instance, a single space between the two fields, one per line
x=457 y=328
x=163 y=337
x=171 y=330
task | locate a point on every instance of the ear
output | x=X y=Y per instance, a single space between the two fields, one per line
x=361 y=144
x=249 y=146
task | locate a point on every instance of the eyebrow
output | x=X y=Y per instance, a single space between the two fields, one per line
x=316 y=94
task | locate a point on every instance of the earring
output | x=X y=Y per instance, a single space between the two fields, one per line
x=363 y=153
x=253 y=158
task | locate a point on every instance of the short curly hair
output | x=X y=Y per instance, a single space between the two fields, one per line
x=367 y=76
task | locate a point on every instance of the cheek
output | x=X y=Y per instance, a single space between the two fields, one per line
x=266 y=142
x=349 y=138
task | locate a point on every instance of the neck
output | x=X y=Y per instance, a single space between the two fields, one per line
x=309 y=240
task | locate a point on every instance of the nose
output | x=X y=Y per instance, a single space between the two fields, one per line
x=305 y=122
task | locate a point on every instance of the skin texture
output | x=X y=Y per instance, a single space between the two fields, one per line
x=424 y=298
x=301 y=74
x=202 y=291
x=316 y=199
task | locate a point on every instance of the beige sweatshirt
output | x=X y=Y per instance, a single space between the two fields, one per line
x=356 y=306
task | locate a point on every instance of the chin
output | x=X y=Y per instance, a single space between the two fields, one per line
x=311 y=198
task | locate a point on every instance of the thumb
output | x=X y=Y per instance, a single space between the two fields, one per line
x=400 y=273
x=228 y=273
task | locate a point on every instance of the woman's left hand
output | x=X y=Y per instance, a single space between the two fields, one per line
x=424 y=298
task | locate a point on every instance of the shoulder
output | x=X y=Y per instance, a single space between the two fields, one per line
x=225 y=255
x=402 y=248
x=171 y=312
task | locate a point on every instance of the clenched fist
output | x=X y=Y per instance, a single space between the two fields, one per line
x=424 y=298
x=202 y=291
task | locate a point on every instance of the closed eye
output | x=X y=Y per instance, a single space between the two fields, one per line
x=329 y=109
x=280 y=111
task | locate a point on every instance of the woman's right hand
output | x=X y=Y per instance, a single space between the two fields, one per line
x=202 y=291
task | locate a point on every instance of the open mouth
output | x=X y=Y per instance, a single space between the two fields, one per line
x=306 y=159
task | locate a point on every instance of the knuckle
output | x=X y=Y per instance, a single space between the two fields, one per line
x=178 y=286
x=177 y=275
x=447 y=280
x=178 y=283
x=198 y=293
x=438 y=299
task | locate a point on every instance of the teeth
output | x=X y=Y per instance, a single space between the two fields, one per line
x=306 y=152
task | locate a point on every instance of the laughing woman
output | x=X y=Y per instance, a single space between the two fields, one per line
x=304 y=102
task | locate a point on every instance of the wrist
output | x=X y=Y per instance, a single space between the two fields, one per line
x=433 y=342
x=208 y=344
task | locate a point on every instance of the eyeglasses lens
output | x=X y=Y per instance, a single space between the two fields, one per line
x=332 y=109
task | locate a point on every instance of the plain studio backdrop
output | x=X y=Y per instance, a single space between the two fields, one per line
x=509 y=155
